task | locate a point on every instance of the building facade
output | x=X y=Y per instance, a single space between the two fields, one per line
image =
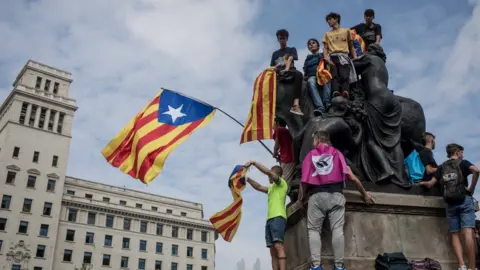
x=50 y=221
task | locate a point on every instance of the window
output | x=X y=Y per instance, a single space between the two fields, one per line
x=169 y=211
x=174 y=231
x=154 y=208
x=11 y=177
x=143 y=226
x=108 y=240
x=55 y=161
x=174 y=250
x=189 y=266
x=47 y=209
x=67 y=255
x=38 y=82
x=138 y=205
x=31 y=121
x=60 y=122
x=106 y=260
x=159 y=247
x=91 y=218
x=23 y=227
x=3 y=224
x=71 y=192
x=123 y=203
x=89 y=238
x=106 y=199
x=204 y=253
x=126 y=224
x=72 y=215
x=40 y=251
x=70 y=235
x=204 y=268
x=124 y=262
x=143 y=245
x=174 y=266
x=141 y=264
x=126 y=243
x=6 y=199
x=51 y=119
x=36 y=156
x=189 y=234
x=159 y=229
x=37 y=268
x=109 y=221
x=51 y=185
x=16 y=267
x=41 y=121
x=27 y=206
x=158 y=265
x=55 y=88
x=16 y=152
x=23 y=113
x=183 y=214
x=1 y=244
x=44 y=230
x=204 y=236
x=88 y=196
x=189 y=251
x=46 y=87
x=87 y=257
x=31 y=181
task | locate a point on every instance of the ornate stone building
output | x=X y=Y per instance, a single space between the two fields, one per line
x=49 y=221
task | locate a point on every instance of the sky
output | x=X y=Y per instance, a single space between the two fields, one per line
x=121 y=52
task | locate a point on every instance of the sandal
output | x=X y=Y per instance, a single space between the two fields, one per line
x=296 y=110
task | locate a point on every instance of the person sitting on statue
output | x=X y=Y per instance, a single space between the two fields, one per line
x=338 y=44
x=283 y=149
x=426 y=155
x=324 y=171
x=320 y=101
x=283 y=61
x=459 y=205
x=277 y=213
x=370 y=32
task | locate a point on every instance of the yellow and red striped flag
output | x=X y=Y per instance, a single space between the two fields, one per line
x=259 y=124
x=226 y=222
x=358 y=43
x=141 y=148
x=323 y=75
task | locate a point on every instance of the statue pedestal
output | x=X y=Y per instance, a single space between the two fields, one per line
x=415 y=225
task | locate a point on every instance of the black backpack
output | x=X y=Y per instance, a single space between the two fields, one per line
x=452 y=182
x=392 y=261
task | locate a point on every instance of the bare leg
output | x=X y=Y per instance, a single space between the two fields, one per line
x=470 y=246
x=457 y=248
x=273 y=253
x=279 y=249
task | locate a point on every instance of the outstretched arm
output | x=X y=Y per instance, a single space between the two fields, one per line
x=257 y=186
x=265 y=171
x=365 y=195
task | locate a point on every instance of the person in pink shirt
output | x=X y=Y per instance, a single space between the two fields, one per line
x=283 y=149
x=324 y=172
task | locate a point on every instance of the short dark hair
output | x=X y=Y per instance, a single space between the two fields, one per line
x=282 y=33
x=370 y=13
x=425 y=136
x=313 y=39
x=452 y=148
x=333 y=15
x=280 y=122
x=278 y=169
x=322 y=136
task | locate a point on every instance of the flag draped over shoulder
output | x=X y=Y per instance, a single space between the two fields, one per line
x=141 y=148
x=226 y=222
x=358 y=43
x=259 y=124
x=323 y=75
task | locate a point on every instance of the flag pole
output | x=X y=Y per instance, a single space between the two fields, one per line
x=222 y=111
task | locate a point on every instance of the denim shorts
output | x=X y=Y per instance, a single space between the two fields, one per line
x=275 y=230
x=461 y=215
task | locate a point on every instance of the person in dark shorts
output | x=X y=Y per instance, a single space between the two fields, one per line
x=370 y=32
x=426 y=155
x=277 y=213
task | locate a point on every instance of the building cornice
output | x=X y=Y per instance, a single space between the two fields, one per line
x=27 y=126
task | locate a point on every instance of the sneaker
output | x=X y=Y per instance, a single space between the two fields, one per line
x=463 y=268
x=296 y=110
x=317 y=112
x=336 y=94
x=345 y=95
x=336 y=268
x=316 y=268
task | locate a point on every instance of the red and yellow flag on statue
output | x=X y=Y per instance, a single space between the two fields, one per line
x=358 y=43
x=260 y=120
x=226 y=222
x=323 y=75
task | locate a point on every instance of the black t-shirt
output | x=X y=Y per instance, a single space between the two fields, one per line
x=464 y=166
x=277 y=56
x=426 y=155
x=368 y=34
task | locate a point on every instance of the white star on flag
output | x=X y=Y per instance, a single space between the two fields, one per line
x=175 y=113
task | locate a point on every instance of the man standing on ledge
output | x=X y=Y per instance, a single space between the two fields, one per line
x=277 y=214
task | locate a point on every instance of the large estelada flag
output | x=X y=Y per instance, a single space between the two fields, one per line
x=226 y=222
x=141 y=148
x=259 y=124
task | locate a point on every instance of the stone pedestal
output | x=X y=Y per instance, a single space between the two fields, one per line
x=415 y=225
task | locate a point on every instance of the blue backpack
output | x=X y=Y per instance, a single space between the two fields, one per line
x=415 y=167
